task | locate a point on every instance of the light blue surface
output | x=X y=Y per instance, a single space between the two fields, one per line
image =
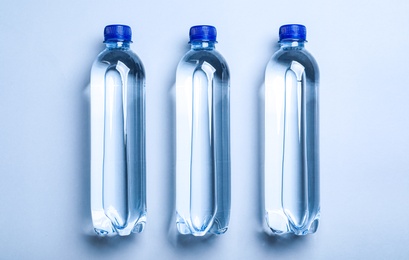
x=46 y=53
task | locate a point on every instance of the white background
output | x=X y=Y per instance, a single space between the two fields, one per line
x=46 y=53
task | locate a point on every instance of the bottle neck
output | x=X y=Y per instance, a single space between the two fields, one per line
x=203 y=45
x=290 y=43
x=118 y=44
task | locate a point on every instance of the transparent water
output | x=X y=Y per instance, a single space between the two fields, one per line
x=118 y=199
x=291 y=141
x=202 y=142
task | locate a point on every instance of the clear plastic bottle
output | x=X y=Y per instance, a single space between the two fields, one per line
x=202 y=137
x=292 y=200
x=118 y=193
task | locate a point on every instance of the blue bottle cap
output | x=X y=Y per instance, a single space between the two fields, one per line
x=117 y=32
x=293 y=32
x=203 y=33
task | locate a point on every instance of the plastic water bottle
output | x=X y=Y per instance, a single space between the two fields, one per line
x=202 y=137
x=291 y=136
x=118 y=199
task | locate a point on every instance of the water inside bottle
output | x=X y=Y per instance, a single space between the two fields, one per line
x=291 y=145
x=118 y=199
x=203 y=159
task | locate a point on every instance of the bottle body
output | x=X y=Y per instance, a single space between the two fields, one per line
x=202 y=142
x=118 y=177
x=291 y=148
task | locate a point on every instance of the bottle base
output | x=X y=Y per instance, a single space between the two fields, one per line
x=103 y=226
x=184 y=228
x=279 y=224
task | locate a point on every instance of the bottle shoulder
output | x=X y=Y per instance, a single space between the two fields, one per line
x=302 y=56
x=209 y=57
x=111 y=57
x=290 y=59
x=285 y=57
